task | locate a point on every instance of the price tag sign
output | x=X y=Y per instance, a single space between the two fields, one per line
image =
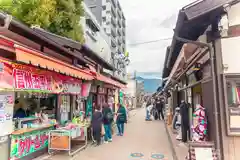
x=204 y=153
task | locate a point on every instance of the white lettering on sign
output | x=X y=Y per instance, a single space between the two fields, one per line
x=72 y=88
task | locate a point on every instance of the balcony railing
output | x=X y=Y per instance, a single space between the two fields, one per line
x=113 y=41
x=114 y=3
x=119 y=31
x=114 y=12
x=119 y=12
x=119 y=22
x=113 y=31
x=123 y=23
x=113 y=20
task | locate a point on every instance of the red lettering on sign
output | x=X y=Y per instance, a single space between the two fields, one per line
x=37 y=142
x=43 y=138
x=22 y=146
x=28 y=143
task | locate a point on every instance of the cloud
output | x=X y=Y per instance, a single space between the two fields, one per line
x=148 y=21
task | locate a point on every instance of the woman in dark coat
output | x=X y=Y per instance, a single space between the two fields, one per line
x=97 y=124
x=121 y=119
x=107 y=122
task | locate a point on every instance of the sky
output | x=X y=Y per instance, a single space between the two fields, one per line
x=149 y=20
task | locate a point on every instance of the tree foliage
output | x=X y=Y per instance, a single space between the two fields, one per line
x=61 y=17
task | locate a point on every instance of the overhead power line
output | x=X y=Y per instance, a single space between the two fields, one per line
x=146 y=42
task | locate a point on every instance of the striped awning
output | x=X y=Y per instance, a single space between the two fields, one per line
x=35 y=58
x=108 y=80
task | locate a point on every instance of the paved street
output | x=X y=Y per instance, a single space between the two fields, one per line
x=142 y=137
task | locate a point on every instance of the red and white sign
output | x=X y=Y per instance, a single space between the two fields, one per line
x=27 y=80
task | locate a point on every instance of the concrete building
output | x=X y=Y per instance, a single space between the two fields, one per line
x=110 y=16
x=95 y=37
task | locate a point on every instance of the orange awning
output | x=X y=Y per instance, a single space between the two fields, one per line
x=108 y=80
x=35 y=58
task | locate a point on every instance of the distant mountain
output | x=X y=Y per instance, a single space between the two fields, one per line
x=149 y=75
x=150 y=85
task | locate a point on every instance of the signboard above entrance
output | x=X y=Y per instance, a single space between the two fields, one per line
x=29 y=78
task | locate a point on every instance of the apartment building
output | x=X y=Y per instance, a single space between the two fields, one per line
x=110 y=16
x=95 y=37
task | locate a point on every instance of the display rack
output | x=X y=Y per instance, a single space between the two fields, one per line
x=67 y=137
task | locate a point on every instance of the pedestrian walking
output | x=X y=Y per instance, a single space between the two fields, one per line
x=97 y=124
x=149 y=107
x=121 y=119
x=160 y=108
x=107 y=121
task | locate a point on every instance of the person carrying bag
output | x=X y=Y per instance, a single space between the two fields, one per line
x=121 y=119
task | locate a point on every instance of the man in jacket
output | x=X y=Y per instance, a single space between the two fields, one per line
x=160 y=107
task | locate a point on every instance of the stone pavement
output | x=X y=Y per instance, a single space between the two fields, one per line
x=141 y=137
x=180 y=149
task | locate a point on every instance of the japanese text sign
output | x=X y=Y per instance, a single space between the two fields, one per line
x=24 y=145
x=27 y=80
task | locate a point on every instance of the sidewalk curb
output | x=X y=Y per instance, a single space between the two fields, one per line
x=171 y=143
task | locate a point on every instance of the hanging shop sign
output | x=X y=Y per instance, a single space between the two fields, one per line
x=27 y=77
x=24 y=145
x=86 y=87
x=74 y=88
x=66 y=84
x=27 y=80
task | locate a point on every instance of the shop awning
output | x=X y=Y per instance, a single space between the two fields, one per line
x=184 y=57
x=35 y=58
x=108 y=80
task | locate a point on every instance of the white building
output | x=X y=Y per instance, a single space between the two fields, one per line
x=95 y=37
x=109 y=14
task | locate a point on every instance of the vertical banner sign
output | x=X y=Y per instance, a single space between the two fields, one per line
x=86 y=86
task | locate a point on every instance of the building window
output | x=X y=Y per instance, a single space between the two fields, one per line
x=104 y=19
x=104 y=7
x=233 y=93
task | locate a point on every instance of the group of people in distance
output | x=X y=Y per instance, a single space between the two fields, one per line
x=103 y=119
x=154 y=107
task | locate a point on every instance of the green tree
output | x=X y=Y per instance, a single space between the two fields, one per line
x=67 y=21
x=61 y=17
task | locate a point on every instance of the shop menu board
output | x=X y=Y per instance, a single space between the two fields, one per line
x=28 y=143
x=6 y=113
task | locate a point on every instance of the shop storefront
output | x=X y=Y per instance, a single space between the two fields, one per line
x=102 y=96
x=33 y=100
x=110 y=98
